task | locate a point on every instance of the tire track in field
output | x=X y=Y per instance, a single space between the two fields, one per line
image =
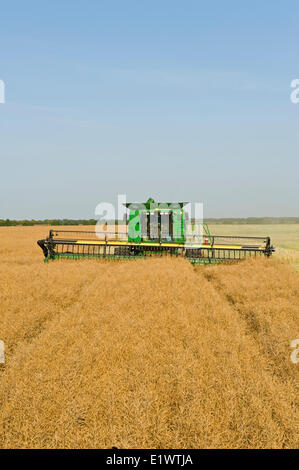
x=255 y=325
x=39 y=325
x=36 y=325
x=277 y=369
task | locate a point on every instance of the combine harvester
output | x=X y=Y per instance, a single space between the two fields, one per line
x=155 y=229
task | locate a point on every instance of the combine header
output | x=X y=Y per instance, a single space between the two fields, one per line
x=154 y=229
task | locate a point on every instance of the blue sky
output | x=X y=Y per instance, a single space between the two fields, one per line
x=175 y=100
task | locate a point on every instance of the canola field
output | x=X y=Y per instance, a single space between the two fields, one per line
x=150 y=353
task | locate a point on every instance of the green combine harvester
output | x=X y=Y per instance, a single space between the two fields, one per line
x=154 y=229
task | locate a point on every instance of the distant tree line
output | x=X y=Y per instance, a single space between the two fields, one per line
x=13 y=223
x=227 y=221
x=254 y=220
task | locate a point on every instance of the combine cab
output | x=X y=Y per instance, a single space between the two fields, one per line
x=155 y=229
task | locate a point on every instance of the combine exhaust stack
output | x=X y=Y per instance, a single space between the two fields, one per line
x=154 y=231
